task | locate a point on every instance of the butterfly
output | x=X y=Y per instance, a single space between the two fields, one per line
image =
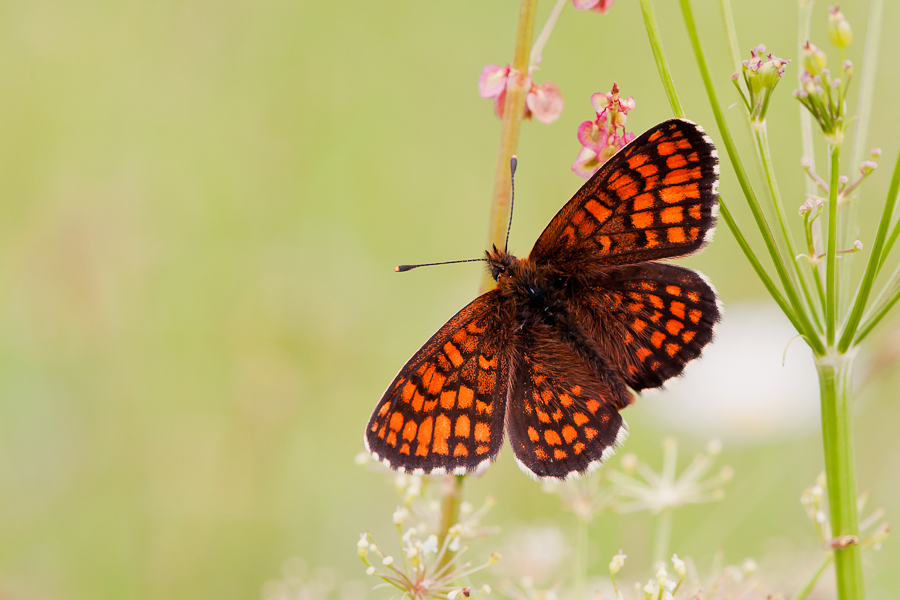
x=551 y=354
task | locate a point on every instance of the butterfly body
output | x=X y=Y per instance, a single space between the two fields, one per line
x=549 y=355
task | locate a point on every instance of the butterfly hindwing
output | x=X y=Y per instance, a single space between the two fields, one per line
x=656 y=198
x=651 y=319
x=444 y=410
x=563 y=416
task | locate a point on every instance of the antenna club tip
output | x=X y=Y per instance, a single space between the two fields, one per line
x=513 y=162
x=397 y=269
x=402 y=268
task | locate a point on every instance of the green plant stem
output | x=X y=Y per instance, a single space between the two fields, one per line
x=875 y=261
x=883 y=303
x=731 y=33
x=806 y=589
x=513 y=108
x=864 y=110
x=662 y=535
x=761 y=137
x=451 y=498
x=892 y=197
x=835 y=388
x=804 y=325
x=581 y=550
x=831 y=246
x=659 y=56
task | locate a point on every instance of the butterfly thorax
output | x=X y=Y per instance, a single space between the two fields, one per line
x=525 y=284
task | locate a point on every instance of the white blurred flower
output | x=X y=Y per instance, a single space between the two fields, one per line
x=745 y=388
x=536 y=553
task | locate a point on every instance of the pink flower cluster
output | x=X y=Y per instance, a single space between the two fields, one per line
x=600 y=6
x=544 y=102
x=605 y=135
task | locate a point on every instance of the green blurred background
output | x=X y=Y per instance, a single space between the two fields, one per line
x=202 y=202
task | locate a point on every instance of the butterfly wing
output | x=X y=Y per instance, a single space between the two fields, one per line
x=656 y=198
x=444 y=411
x=650 y=319
x=563 y=417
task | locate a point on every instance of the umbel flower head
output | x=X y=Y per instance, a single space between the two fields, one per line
x=824 y=96
x=544 y=102
x=605 y=135
x=761 y=73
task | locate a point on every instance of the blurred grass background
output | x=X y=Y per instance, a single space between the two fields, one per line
x=202 y=202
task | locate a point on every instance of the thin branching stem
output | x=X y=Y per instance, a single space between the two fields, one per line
x=659 y=56
x=731 y=33
x=764 y=154
x=831 y=246
x=875 y=260
x=892 y=197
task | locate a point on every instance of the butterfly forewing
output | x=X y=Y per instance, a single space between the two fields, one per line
x=654 y=199
x=444 y=410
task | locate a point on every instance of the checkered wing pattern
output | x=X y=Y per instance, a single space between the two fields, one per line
x=651 y=319
x=656 y=198
x=563 y=417
x=444 y=411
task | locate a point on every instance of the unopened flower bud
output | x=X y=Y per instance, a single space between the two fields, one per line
x=858 y=245
x=388 y=561
x=661 y=577
x=370 y=571
x=617 y=562
x=814 y=59
x=839 y=32
x=806 y=162
x=876 y=152
x=400 y=515
x=678 y=565
x=867 y=166
x=362 y=546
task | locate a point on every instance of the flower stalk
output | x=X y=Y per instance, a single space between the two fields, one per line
x=835 y=381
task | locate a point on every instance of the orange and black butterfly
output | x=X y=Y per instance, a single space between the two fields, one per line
x=549 y=355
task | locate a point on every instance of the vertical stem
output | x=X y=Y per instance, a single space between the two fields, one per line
x=659 y=56
x=835 y=379
x=581 y=550
x=513 y=109
x=831 y=249
x=761 y=137
x=733 y=47
x=662 y=536
x=451 y=498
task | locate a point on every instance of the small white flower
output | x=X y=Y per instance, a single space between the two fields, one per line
x=430 y=545
x=662 y=577
x=370 y=571
x=362 y=546
x=454 y=544
x=617 y=562
x=749 y=566
x=388 y=561
x=400 y=515
x=678 y=565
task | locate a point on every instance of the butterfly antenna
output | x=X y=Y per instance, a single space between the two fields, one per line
x=402 y=268
x=513 y=163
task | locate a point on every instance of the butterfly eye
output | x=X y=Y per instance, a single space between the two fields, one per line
x=497 y=272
